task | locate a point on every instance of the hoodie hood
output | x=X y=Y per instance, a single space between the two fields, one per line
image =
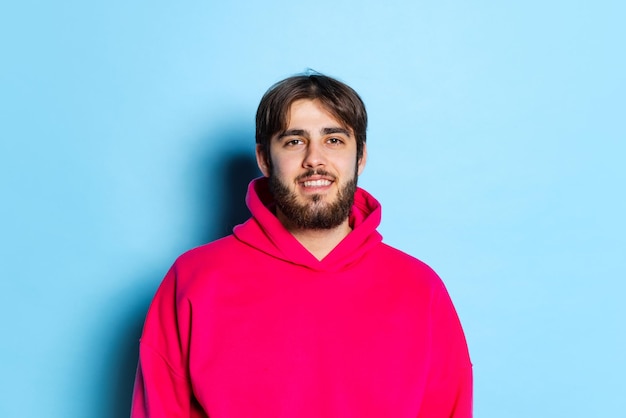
x=266 y=233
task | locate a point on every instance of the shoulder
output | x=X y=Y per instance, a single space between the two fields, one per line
x=221 y=249
x=410 y=269
x=206 y=261
x=406 y=261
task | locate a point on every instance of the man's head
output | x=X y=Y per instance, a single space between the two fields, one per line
x=311 y=146
x=339 y=99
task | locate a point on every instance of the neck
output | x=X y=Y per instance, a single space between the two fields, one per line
x=319 y=242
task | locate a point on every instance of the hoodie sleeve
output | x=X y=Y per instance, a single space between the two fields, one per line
x=449 y=388
x=162 y=384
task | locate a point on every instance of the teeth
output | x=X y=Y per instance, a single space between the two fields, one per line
x=316 y=183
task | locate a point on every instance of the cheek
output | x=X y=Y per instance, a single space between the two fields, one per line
x=280 y=167
x=350 y=167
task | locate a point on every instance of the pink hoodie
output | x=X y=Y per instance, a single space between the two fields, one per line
x=253 y=325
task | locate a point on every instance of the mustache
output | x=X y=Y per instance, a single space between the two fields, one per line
x=317 y=172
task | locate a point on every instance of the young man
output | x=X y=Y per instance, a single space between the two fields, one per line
x=303 y=312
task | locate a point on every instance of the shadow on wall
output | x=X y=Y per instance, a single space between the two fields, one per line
x=122 y=357
x=237 y=170
x=222 y=202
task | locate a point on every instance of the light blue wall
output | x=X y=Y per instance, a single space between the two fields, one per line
x=496 y=146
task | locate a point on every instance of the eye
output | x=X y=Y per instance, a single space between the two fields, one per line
x=335 y=140
x=293 y=142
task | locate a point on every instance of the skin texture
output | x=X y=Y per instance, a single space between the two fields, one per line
x=313 y=168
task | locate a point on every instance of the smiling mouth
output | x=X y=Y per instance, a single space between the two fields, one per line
x=316 y=178
x=316 y=183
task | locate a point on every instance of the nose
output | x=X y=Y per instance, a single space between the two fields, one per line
x=314 y=156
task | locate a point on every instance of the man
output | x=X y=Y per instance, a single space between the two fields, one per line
x=303 y=311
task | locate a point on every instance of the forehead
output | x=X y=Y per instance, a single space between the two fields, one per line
x=307 y=111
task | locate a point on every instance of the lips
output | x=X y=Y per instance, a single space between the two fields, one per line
x=317 y=183
x=316 y=179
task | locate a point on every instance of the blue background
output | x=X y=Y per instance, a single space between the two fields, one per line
x=496 y=146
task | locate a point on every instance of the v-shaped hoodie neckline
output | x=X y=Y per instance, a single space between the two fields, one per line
x=266 y=233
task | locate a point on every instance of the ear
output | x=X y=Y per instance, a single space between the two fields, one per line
x=361 y=163
x=262 y=160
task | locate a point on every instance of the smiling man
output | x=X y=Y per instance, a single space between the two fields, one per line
x=312 y=168
x=303 y=311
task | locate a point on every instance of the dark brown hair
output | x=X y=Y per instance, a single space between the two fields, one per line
x=339 y=99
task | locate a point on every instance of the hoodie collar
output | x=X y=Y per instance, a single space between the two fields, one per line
x=266 y=233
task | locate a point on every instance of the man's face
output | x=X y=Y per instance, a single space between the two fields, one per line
x=312 y=168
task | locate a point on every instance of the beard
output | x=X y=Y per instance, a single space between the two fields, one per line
x=314 y=214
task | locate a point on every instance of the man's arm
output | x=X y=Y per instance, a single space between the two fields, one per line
x=450 y=382
x=162 y=385
x=159 y=391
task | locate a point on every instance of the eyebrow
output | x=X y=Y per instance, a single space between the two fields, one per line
x=293 y=132
x=324 y=131
x=330 y=131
